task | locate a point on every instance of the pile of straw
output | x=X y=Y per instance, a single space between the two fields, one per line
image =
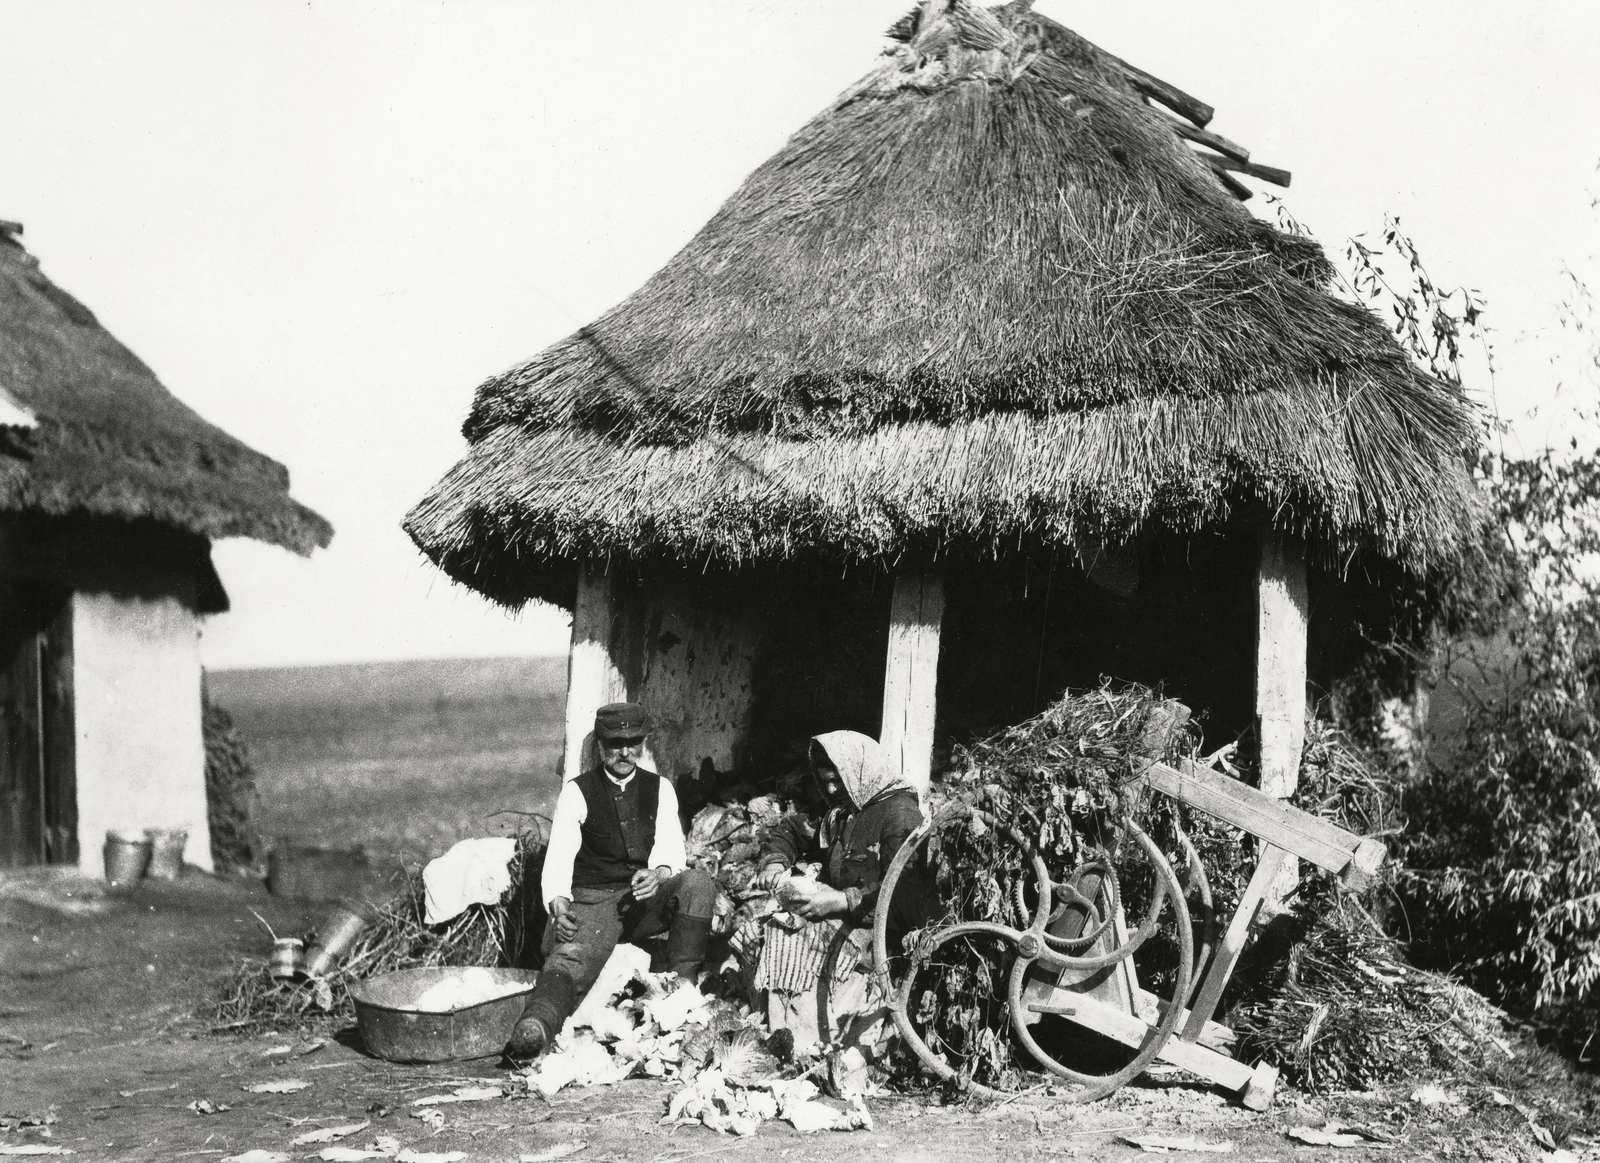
x=251 y=1000
x=1325 y=994
x=1329 y=998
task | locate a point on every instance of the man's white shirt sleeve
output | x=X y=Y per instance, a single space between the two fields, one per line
x=668 y=850
x=566 y=837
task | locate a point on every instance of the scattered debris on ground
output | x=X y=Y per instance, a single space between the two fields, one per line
x=252 y=1000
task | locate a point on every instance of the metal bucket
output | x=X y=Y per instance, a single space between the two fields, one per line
x=402 y=1035
x=127 y=855
x=334 y=938
x=286 y=954
x=166 y=852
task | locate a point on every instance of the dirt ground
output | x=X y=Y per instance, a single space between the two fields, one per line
x=98 y=1029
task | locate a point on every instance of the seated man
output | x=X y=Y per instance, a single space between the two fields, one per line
x=614 y=871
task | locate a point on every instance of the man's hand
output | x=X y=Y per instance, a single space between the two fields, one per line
x=825 y=902
x=561 y=916
x=647 y=880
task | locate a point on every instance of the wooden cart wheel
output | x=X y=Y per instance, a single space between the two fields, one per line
x=1028 y=947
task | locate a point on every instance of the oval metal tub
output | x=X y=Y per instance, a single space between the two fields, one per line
x=408 y=1035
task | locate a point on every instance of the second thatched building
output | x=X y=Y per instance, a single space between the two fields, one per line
x=111 y=494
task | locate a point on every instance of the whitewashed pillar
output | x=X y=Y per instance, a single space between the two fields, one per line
x=911 y=674
x=1283 y=607
x=593 y=675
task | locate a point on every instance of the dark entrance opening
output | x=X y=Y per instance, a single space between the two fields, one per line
x=38 y=764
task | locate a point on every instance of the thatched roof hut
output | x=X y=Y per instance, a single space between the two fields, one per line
x=111 y=492
x=995 y=301
x=109 y=441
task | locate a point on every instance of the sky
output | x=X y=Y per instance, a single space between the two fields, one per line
x=323 y=224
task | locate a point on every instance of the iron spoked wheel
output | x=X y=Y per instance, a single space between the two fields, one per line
x=955 y=955
x=997 y=958
x=1167 y=891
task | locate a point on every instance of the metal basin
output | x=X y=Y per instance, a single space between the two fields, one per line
x=403 y=1035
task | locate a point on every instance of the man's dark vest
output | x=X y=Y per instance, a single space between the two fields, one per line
x=620 y=829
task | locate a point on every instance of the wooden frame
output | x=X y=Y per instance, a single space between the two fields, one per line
x=1199 y=1044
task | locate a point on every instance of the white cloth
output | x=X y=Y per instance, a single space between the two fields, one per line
x=566 y=837
x=473 y=872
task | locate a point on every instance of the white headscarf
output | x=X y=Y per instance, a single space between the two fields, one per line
x=863 y=767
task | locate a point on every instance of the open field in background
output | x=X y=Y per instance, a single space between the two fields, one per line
x=404 y=757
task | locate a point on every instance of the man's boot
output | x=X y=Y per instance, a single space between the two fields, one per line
x=548 y=1008
x=528 y=1038
x=686 y=945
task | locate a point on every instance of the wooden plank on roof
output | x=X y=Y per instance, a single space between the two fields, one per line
x=1171 y=96
x=1213 y=140
x=1234 y=186
x=1266 y=173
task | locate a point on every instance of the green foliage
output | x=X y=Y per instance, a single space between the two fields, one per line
x=1504 y=851
x=1501 y=855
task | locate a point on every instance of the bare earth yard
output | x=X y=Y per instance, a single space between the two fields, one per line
x=102 y=1024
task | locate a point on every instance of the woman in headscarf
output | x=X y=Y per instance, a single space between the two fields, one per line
x=815 y=955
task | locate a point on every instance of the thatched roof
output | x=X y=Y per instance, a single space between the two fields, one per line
x=991 y=293
x=109 y=441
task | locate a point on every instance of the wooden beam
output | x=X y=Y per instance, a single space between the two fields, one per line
x=1233 y=185
x=1266 y=173
x=1283 y=607
x=594 y=676
x=1239 y=806
x=911 y=671
x=60 y=732
x=1280 y=824
x=1171 y=96
x=1213 y=1037
x=1226 y=955
x=1214 y=140
x=1121 y=1026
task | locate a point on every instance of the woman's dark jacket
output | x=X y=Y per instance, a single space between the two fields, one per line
x=856 y=855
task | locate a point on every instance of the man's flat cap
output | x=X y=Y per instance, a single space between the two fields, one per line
x=621 y=721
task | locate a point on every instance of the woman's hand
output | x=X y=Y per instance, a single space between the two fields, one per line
x=825 y=902
x=767 y=879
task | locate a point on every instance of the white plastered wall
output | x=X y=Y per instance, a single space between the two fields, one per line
x=141 y=754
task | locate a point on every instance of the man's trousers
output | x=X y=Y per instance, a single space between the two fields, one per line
x=681 y=907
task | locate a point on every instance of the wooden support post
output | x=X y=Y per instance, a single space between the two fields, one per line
x=1282 y=605
x=594 y=677
x=911 y=674
x=1282 y=610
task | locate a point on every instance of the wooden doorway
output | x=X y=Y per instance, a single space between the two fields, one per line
x=38 y=765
